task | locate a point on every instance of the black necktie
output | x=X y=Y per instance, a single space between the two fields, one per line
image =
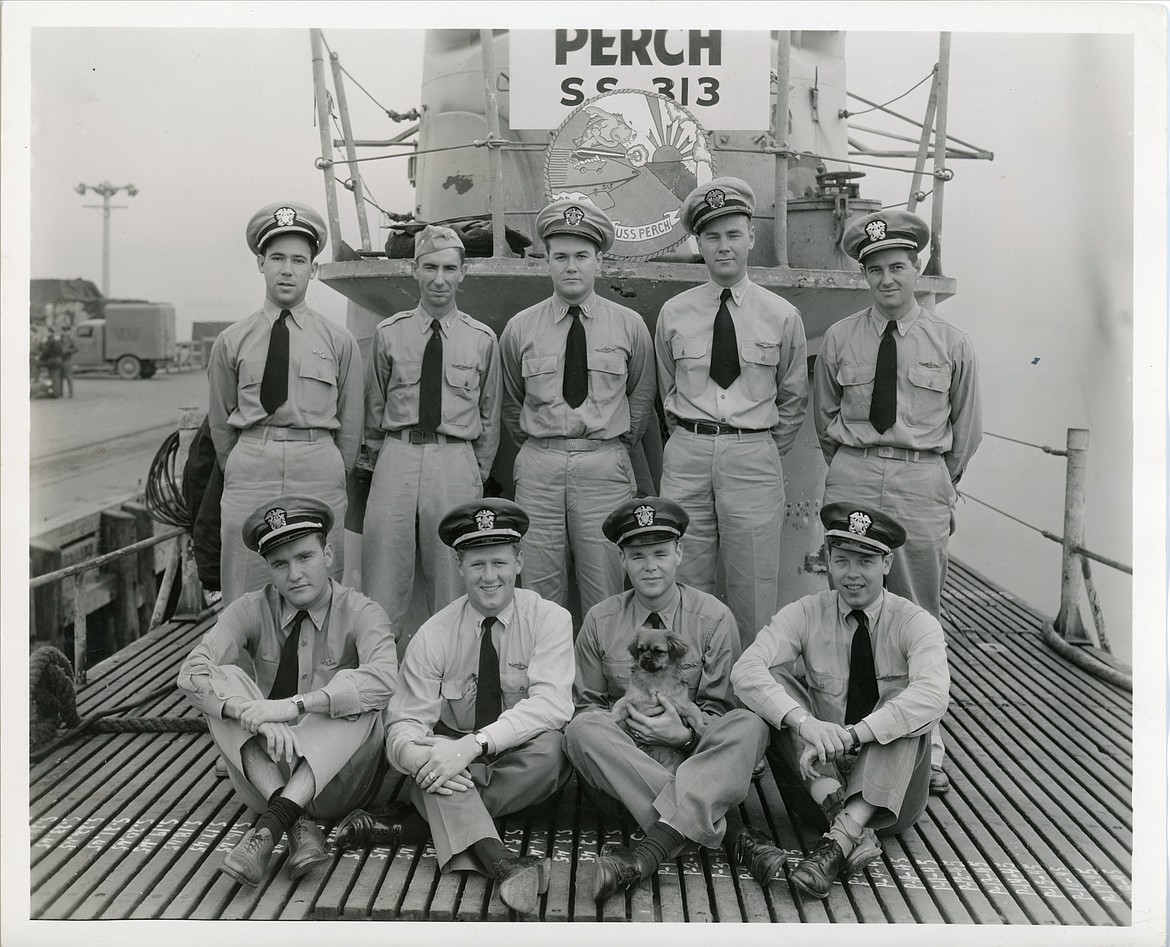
x=274 y=384
x=575 y=385
x=654 y=620
x=487 y=688
x=863 y=689
x=883 y=408
x=724 y=347
x=285 y=683
x=430 y=394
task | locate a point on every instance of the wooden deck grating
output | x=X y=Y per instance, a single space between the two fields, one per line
x=1037 y=828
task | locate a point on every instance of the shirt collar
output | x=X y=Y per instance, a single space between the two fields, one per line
x=873 y=612
x=561 y=308
x=641 y=612
x=504 y=618
x=904 y=323
x=425 y=319
x=299 y=311
x=317 y=613
x=737 y=290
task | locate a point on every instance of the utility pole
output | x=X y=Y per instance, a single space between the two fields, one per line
x=106 y=190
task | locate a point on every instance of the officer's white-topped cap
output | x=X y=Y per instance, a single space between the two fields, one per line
x=885 y=230
x=274 y=220
x=576 y=217
x=716 y=199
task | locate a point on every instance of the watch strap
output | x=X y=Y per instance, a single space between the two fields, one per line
x=300 y=702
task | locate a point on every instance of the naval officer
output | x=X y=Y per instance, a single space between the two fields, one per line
x=485 y=688
x=734 y=382
x=432 y=428
x=856 y=740
x=302 y=732
x=578 y=393
x=285 y=395
x=897 y=409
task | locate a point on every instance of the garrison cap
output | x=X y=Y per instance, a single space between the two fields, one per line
x=432 y=238
x=850 y=526
x=645 y=520
x=284 y=519
x=483 y=523
x=884 y=230
x=278 y=219
x=717 y=198
x=576 y=217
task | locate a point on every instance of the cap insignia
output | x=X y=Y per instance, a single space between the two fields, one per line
x=485 y=519
x=715 y=198
x=645 y=515
x=859 y=523
x=876 y=230
x=285 y=216
x=276 y=518
x=573 y=216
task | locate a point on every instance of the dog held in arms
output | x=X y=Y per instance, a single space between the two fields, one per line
x=656 y=677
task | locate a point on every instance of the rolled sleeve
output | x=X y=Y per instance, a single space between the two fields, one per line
x=549 y=704
x=779 y=642
x=924 y=701
x=791 y=386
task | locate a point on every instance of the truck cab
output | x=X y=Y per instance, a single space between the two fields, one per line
x=133 y=339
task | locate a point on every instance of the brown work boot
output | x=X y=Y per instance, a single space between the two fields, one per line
x=866 y=850
x=616 y=870
x=757 y=853
x=361 y=829
x=247 y=862
x=306 y=847
x=518 y=882
x=816 y=874
x=940 y=782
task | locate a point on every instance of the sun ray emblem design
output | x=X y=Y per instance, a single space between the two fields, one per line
x=285 y=216
x=485 y=519
x=644 y=515
x=859 y=523
x=876 y=230
x=276 y=518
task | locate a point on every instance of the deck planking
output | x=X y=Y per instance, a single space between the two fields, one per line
x=1037 y=828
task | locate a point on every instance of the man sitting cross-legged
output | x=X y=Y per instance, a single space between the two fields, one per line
x=859 y=734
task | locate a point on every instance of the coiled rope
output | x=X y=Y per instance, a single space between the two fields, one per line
x=164 y=486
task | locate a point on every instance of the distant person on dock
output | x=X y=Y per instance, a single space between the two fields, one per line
x=68 y=350
x=897 y=410
x=855 y=733
x=432 y=428
x=50 y=357
x=578 y=393
x=302 y=738
x=485 y=688
x=285 y=401
x=733 y=377
x=679 y=765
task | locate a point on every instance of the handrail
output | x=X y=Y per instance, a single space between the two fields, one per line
x=78 y=568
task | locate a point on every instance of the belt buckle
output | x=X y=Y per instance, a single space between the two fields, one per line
x=887 y=452
x=708 y=428
x=416 y=437
x=277 y=433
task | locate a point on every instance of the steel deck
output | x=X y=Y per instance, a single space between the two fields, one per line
x=1037 y=828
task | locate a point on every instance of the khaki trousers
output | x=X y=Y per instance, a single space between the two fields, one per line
x=716 y=777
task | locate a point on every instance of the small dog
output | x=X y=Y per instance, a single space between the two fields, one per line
x=657 y=654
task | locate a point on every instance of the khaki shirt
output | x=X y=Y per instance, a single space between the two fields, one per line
x=771 y=392
x=346 y=649
x=324 y=386
x=471 y=380
x=909 y=656
x=621 y=377
x=939 y=407
x=534 y=640
x=604 y=662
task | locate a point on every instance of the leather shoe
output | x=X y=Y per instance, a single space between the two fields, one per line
x=361 y=829
x=940 y=782
x=616 y=870
x=816 y=873
x=868 y=849
x=543 y=865
x=518 y=882
x=756 y=852
x=247 y=862
x=306 y=847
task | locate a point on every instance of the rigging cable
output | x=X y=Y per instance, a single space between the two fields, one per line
x=845 y=113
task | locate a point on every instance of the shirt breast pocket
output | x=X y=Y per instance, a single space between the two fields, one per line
x=929 y=396
x=461 y=395
x=513 y=685
x=402 y=392
x=691 y=366
x=607 y=376
x=541 y=386
x=690 y=672
x=856 y=383
x=317 y=394
x=617 y=676
x=759 y=369
x=458 y=696
x=830 y=685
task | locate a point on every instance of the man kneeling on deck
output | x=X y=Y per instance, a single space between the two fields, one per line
x=859 y=734
x=302 y=735
x=486 y=687
x=680 y=761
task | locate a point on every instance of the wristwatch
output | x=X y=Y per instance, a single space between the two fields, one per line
x=855 y=746
x=692 y=742
x=482 y=739
x=299 y=700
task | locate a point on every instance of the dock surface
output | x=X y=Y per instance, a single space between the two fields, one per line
x=1037 y=827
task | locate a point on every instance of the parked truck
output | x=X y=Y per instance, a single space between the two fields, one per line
x=133 y=339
